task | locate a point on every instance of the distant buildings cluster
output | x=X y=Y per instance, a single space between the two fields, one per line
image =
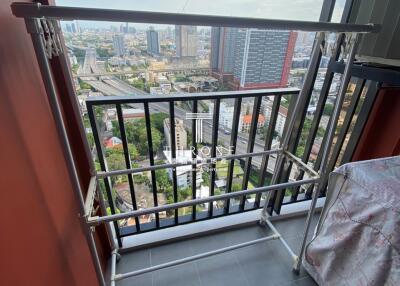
x=72 y=27
x=227 y=110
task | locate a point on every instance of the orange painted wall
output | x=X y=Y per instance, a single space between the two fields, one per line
x=41 y=240
x=381 y=135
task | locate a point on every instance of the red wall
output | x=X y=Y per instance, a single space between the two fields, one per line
x=381 y=135
x=41 y=240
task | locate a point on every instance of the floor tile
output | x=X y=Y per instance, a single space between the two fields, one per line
x=222 y=269
x=181 y=275
x=131 y=262
x=266 y=263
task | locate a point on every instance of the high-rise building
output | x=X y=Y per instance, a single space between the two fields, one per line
x=186 y=41
x=68 y=28
x=180 y=134
x=153 y=44
x=119 y=45
x=73 y=29
x=251 y=58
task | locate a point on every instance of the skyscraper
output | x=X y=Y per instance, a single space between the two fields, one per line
x=186 y=41
x=119 y=46
x=73 y=29
x=153 y=45
x=251 y=58
x=68 y=28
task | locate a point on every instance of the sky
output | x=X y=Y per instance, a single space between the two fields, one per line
x=308 y=10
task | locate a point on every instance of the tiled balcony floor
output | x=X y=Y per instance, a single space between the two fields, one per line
x=266 y=263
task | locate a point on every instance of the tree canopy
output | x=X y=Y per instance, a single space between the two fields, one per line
x=136 y=134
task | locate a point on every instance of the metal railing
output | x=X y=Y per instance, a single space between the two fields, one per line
x=169 y=103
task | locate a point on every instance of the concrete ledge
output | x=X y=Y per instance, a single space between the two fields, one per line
x=201 y=228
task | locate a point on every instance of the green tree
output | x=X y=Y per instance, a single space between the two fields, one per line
x=139 y=84
x=75 y=68
x=136 y=133
x=119 y=150
x=206 y=178
x=163 y=182
x=157 y=120
x=151 y=84
x=141 y=179
x=84 y=85
x=328 y=109
x=103 y=53
x=184 y=193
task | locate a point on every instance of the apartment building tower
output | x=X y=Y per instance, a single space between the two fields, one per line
x=180 y=134
x=186 y=41
x=153 y=44
x=251 y=58
x=119 y=45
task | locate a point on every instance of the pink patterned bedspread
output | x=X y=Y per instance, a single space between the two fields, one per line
x=358 y=240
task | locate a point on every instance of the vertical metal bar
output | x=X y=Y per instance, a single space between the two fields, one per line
x=127 y=161
x=110 y=232
x=327 y=146
x=250 y=147
x=214 y=140
x=233 y=143
x=355 y=97
x=151 y=159
x=194 y=157
x=34 y=29
x=100 y=156
x=113 y=267
x=173 y=155
x=267 y=145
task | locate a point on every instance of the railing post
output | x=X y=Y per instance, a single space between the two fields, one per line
x=127 y=160
x=151 y=159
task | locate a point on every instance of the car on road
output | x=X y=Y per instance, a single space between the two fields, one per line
x=227 y=132
x=243 y=141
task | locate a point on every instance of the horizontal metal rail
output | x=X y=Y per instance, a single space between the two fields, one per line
x=115 y=217
x=37 y=10
x=118 y=277
x=303 y=166
x=174 y=165
x=140 y=98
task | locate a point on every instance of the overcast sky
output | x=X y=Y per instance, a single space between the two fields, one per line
x=273 y=9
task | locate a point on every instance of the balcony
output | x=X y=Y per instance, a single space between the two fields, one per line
x=196 y=233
